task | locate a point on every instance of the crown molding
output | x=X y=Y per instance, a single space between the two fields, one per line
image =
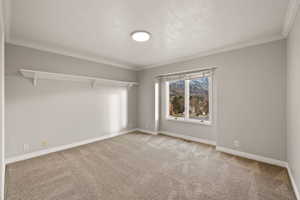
x=7 y=17
x=290 y=16
x=2 y=27
x=288 y=24
x=95 y=59
x=216 y=51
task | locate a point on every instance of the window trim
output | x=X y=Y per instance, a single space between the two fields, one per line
x=186 y=118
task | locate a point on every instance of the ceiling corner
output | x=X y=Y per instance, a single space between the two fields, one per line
x=218 y=50
x=74 y=54
x=7 y=28
x=290 y=16
x=7 y=18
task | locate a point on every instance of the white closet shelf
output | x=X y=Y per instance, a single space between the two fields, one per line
x=35 y=75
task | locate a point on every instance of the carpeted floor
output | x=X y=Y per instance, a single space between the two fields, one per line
x=137 y=166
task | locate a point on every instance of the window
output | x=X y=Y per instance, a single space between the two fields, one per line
x=190 y=99
x=176 y=98
x=199 y=99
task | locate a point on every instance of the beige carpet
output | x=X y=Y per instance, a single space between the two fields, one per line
x=143 y=167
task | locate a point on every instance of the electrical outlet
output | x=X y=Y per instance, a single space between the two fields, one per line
x=236 y=143
x=44 y=143
x=25 y=147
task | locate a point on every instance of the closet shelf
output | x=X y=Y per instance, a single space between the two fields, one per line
x=93 y=81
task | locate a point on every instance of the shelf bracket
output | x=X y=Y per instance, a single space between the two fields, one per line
x=34 y=80
x=129 y=86
x=93 y=83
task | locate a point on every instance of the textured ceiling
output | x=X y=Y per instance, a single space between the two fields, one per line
x=100 y=29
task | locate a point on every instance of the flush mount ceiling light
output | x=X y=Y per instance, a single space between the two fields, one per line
x=140 y=36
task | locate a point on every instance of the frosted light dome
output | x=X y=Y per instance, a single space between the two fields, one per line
x=140 y=36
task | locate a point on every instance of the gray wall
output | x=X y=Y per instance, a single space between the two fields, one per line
x=62 y=112
x=2 y=164
x=249 y=99
x=293 y=100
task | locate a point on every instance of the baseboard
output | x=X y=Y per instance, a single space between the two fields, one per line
x=2 y=190
x=146 y=131
x=63 y=147
x=271 y=161
x=218 y=148
x=265 y=160
x=190 y=138
x=294 y=185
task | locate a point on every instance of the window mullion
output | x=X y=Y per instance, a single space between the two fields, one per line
x=187 y=99
x=167 y=99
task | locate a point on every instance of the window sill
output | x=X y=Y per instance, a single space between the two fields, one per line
x=190 y=121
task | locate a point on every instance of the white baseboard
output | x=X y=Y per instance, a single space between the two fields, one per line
x=265 y=160
x=190 y=138
x=60 y=148
x=146 y=131
x=294 y=185
x=2 y=189
x=271 y=161
x=218 y=148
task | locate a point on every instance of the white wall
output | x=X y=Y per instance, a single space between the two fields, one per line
x=293 y=100
x=62 y=112
x=250 y=99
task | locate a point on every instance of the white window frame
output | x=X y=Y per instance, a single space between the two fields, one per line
x=186 y=118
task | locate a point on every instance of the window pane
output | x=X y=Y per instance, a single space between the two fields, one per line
x=199 y=98
x=176 y=98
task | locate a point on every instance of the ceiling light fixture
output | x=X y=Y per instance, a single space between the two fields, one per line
x=140 y=36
